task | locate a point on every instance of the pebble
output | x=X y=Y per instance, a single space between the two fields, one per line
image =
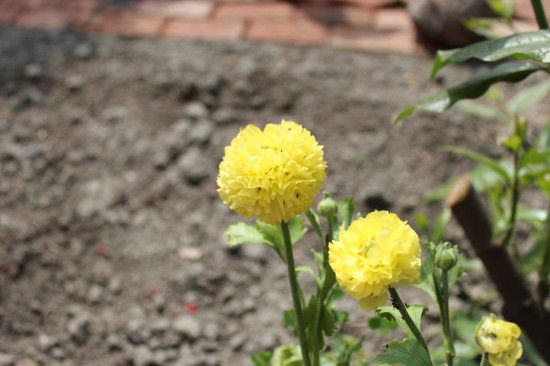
x=7 y=359
x=187 y=327
x=33 y=71
x=202 y=132
x=193 y=167
x=224 y=116
x=195 y=111
x=78 y=328
x=84 y=51
x=143 y=356
x=95 y=294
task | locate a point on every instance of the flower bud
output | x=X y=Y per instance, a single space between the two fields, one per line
x=446 y=256
x=327 y=207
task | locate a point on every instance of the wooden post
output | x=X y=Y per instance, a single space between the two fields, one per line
x=520 y=305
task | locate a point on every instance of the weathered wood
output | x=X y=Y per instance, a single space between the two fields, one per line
x=520 y=305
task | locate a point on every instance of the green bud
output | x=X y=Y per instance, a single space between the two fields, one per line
x=327 y=207
x=446 y=256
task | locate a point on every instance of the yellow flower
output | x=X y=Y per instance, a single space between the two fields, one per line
x=499 y=339
x=273 y=174
x=375 y=252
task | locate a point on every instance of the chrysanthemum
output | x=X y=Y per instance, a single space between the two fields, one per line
x=375 y=252
x=499 y=339
x=273 y=174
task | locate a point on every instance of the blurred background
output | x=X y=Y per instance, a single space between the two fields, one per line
x=113 y=119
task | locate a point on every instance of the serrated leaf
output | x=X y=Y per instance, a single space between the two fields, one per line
x=415 y=312
x=242 y=233
x=528 y=97
x=408 y=352
x=529 y=45
x=472 y=88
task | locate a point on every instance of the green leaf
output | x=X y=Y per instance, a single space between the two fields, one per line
x=528 y=97
x=415 y=312
x=381 y=324
x=242 y=233
x=441 y=222
x=484 y=27
x=408 y=352
x=297 y=229
x=262 y=358
x=503 y=8
x=480 y=110
x=346 y=207
x=543 y=141
x=289 y=355
x=529 y=45
x=481 y=159
x=472 y=88
x=328 y=323
x=306 y=269
x=314 y=221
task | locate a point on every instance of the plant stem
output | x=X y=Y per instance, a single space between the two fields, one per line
x=544 y=271
x=296 y=295
x=398 y=304
x=539 y=13
x=449 y=342
x=514 y=206
x=484 y=360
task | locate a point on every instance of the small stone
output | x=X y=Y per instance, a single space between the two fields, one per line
x=143 y=356
x=202 y=132
x=224 y=116
x=187 y=327
x=237 y=341
x=195 y=110
x=45 y=342
x=78 y=328
x=33 y=71
x=6 y=359
x=211 y=331
x=74 y=82
x=84 y=51
x=160 y=326
x=255 y=252
x=95 y=294
x=115 y=285
x=190 y=253
x=193 y=167
x=115 y=114
x=114 y=343
x=136 y=331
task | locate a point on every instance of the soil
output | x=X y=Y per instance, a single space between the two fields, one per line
x=111 y=231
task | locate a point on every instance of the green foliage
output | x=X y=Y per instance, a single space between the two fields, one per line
x=530 y=45
x=408 y=352
x=503 y=8
x=472 y=88
x=416 y=312
x=382 y=324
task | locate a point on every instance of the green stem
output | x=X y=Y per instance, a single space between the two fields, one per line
x=484 y=360
x=449 y=342
x=544 y=271
x=539 y=13
x=514 y=206
x=399 y=305
x=296 y=295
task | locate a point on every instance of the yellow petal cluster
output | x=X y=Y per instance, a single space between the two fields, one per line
x=375 y=252
x=499 y=339
x=273 y=174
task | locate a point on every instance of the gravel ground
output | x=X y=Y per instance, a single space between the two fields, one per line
x=111 y=244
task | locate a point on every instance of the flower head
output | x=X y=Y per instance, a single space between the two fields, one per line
x=375 y=252
x=273 y=174
x=499 y=339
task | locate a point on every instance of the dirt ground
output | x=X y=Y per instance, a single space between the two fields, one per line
x=111 y=231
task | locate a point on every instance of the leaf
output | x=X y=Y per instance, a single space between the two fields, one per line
x=480 y=110
x=297 y=229
x=346 y=207
x=289 y=355
x=328 y=323
x=314 y=221
x=471 y=88
x=503 y=8
x=408 y=352
x=528 y=97
x=484 y=27
x=306 y=269
x=262 y=358
x=543 y=141
x=381 y=324
x=415 y=312
x=242 y=233
x=529 y=45
x=480 y=159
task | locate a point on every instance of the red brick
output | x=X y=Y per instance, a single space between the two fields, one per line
x=9 y=14
x=203 y=29
x=44 y=18
x=393 y=20
x=180 y=9
x=401 y=42
x=255 y=11
x=524 y=10
x=349 y=15
x=127 y=23
x=299 y=31
x=373 y=3
x=81 y=11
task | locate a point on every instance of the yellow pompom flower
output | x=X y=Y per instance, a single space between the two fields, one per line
x=273 y=174
x=499 y=339
x=374 y=253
